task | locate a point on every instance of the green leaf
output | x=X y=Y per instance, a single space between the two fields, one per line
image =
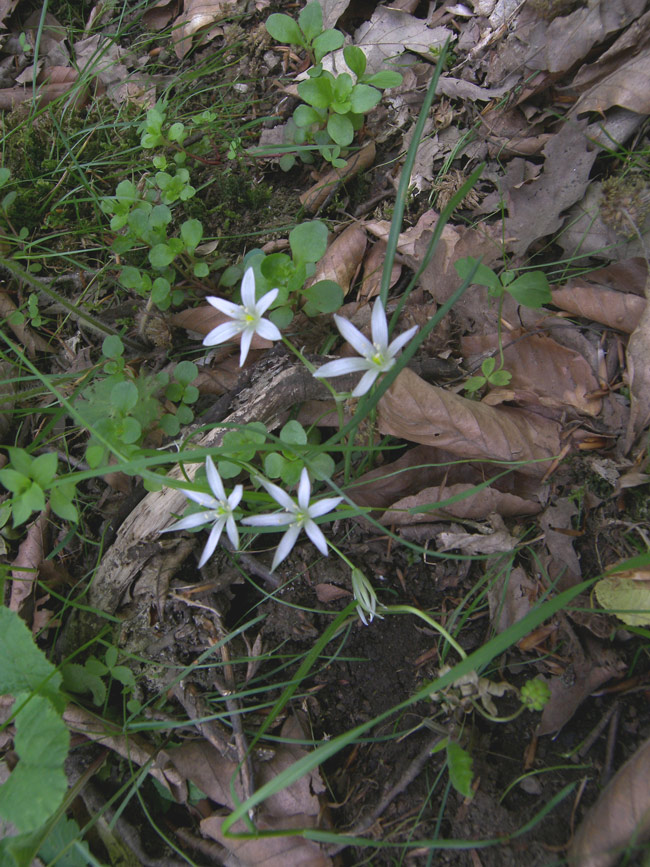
x=474 y=383
x=308 y=241
x=185 y=372
x=281 y=317
x=63 y=506
x=284 y=29
x=110 y=657
x=484 y=276
x=161 y=255
x=311 y=20
x=322 y=467
x=328 y=40
x=293 y=433
x=355 y=59
x=500 y=377
x=16 y=483
x=131 y=278
x=44 y=469
x=5 y=173
x=191 y=394
x=191 y=233
x=531 y=289
x=124 y=396
x=385 y=78
x=274 y=465
x=326 y=296
x=131 y=430
x=112 y=347
x=169 y=424
x=201 y=269
x=77 y=678
x=364 y=97
x=340 y=129
x=23 y=666
x=65 y=846
x=124 y=675
x=38 y=783
x=316 y=91
x=488 y=366
x=628 y=599
x=291 y=473
x=184 y=414
x=20 y=460
x=32 y=500
x=277 y=268
x=305 y=115
x=459 y=764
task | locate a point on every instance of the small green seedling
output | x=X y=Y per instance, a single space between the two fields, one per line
x=96 y=676
x=28 y=479
x=489 y=376
x=288 y=463
x=239 y=448
x=459 y=766
x=306 y=33
x=530 y=288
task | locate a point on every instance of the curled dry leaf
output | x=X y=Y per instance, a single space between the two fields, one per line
x=342 y=258
x=372 y=271
x=510 y=598
x=627 y=86
x=196 y=15
x=423 y=413
x=314 y=199
x=24 y=569
x=620 y=816
x=473 y=505
x=619 y=310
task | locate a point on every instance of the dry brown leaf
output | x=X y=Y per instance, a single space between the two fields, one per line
x=536 y=209
x=631 y=41
x=564 y=563
x=552 y=375
x=343 y=258
x=638 y=375
x=288 y=851
x=158 y=15
x=423 y=413
x=315 y=197
x=500 y=539
x=6 y=8
x=30 y=556
x=196 y=15
x=330 y=592
x=474 y=505
x=626 y=275
x=372 y=272
x=620 y=310
x=510 y=598
x=627 y=86
x=620 y=816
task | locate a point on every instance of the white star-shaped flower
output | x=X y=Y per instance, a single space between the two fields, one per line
x=297 y=515
x=246 y=317
x=218 y=511
x=377 y=357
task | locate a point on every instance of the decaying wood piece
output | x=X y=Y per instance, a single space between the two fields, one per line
x=277 y=385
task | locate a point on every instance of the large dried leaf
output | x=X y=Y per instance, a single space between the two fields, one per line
x=620 y=310
x=631 y=41
x=423 y=413
x=343 y=258
x=24 y=569
x=628 y=86
x=621 y=816
x=557 y=524
x=314 y=198
x=287 y=851
x=544 y=372
x=536 y=209
x=510 y=598
x=472 y=505
x=6 y=8
x=373 y=267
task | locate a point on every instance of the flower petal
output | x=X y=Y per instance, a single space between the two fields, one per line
x=379 y=326
x=213 y=541
x=341 y=366
x=304 y=490
x=395 y=345
x=221 y=333
x=278 y=495
x=279 y=519
x=354 y=337
x=322 y=507
x=268 y=330
x=248 y=288
x=286 y=544
x=316 y=535
x=235 y=496
x=197 y=519
x=365 y=383
x=247 y=336
x=202 y=499
x=214 y=479
x=265 y=302
x=231 y=530
x=227 y=307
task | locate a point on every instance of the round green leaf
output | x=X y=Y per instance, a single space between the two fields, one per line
x=340 y=129
x=308 y=241
x=328 y=40
x=628 y=599
x=364 y=97
x=131 y=430
x=185 y=372
x=44 y=468
x=284 y=29
x=305 y=115
x=531 y=289
x=274 y=465
x=191 y=233
x=124 y=396
x=326 y=296
x=112 y=347
x=161 y=255
x=311 y=20
x=322 y=467
x=385 y=78
x=316 y=91
x=293 y=433
x=201 y=269
x=355 y=59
